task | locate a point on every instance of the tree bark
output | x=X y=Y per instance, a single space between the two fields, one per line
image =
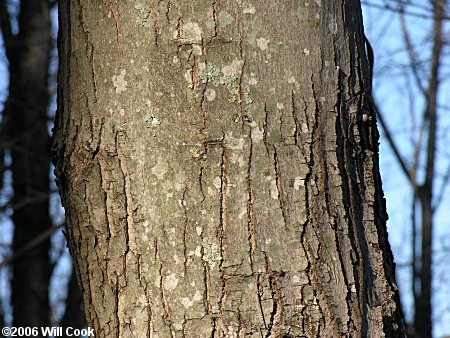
x=218 y=162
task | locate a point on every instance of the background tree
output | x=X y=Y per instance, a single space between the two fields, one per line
x=25 y=122
x=25 y=147
x=219 y=169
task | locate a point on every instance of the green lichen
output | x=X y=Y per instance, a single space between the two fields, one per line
x=210 y=73
x=247 y=99
x=144 y=14
x=231 y=82
x=210 y=252
x=225 y=18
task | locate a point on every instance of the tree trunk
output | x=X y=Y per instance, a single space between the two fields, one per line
x=25 y=119
x=423 y=311
x=73 y=315
x=218 y=162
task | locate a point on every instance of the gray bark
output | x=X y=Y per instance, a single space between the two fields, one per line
x=217 y=175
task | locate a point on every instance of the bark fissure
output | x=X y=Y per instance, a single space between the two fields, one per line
x=223 y=193
x=260 y=294
x=251 y=218
x=265 y=128
x=295 y=118
x=185 y=228
x=277 y=300
x=216 y=25
x=206 y=283
x=345 y=164
x=89 y=49
x=279 y=186
x=166 y=307
x=223 y=220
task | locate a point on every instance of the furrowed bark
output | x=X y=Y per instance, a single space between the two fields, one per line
x=216 y=173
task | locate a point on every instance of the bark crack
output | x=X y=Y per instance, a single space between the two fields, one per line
x=128 y=203
x=223 y=191
x=186 y=221
x=279 y=186
x=223 y=219
x=165 y=303
x=260 y=293
x=168 y=11
x=216 y=26
x=277 y=310
x=294 y=116
x=206 y=282
x=265 y=129
x=156 y=32
x=89 y=49
x=251 y=223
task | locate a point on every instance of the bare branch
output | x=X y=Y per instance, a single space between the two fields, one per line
x=30 y=245
x=410 y=50
x=432 y=92
x=392 y=144
x=385 y=6
x=5 y=26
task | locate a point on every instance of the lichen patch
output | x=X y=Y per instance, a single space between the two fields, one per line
x=249 y=9
x=211 y=191
x=119 y=82
x=234 y=143
x=252 y=80
x=262 y=43
x=210 y=94
x=225 y=18
x=187 y=303
x=217 y=182
x=160 y=169
x=304 y=127
x=197 y=50
x=192 y=32
x=257 y=134
x=299 y=182
x=170 y=282
x=234 y=68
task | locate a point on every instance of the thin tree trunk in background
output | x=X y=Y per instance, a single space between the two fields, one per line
x=25 y=118
x=423 y=310
x=218 y=175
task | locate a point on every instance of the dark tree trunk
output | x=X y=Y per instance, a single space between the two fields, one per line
x=73 y=314
x=25 y=119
